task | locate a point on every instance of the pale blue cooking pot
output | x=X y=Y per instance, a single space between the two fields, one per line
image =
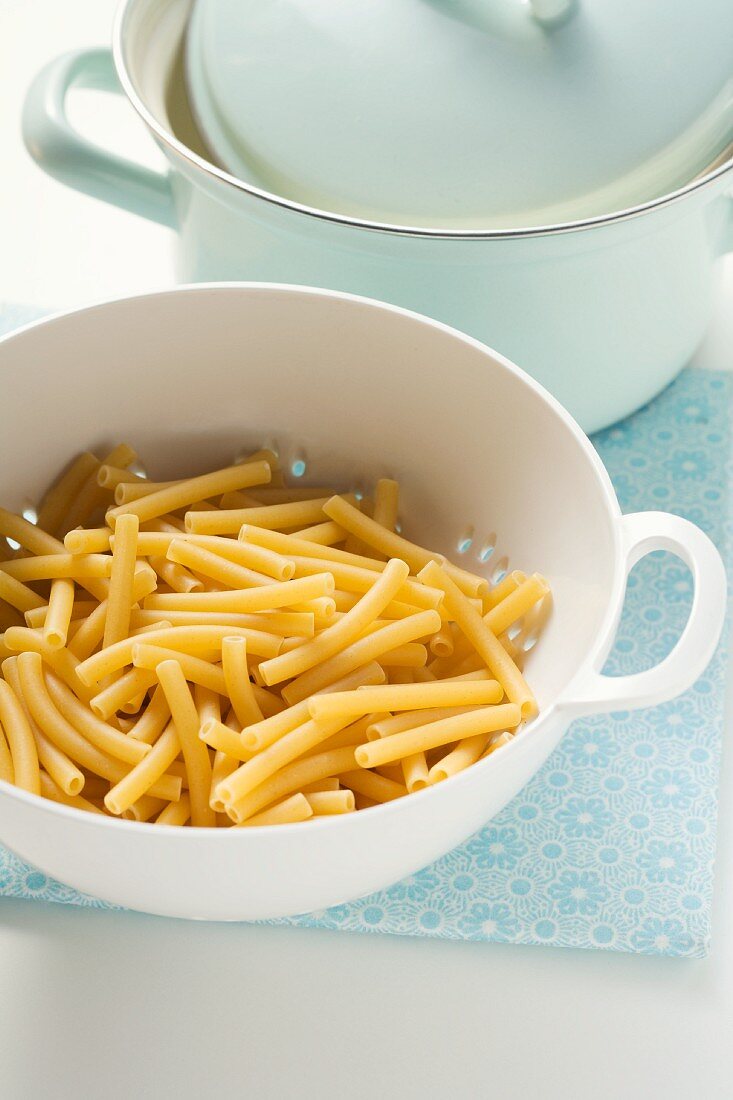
x=603 y=312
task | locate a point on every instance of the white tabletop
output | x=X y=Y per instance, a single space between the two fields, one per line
x=120 y=1005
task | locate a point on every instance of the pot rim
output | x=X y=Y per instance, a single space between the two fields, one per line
x=120 y=48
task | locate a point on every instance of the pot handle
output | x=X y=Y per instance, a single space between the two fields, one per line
x=590 y=692
x=66 y=155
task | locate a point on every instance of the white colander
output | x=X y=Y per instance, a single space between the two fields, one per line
x=354 y=390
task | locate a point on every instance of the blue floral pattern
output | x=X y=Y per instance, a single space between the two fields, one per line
x=663 y=937
x=690 y=465
x=667 y=861
x=578 y=892
x=584 y=817
x=611 y=845
x=590 y=746
x=671 y=787
x=500 y=848
x=486 y=920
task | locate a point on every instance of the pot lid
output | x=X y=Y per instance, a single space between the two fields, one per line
x=463 y=113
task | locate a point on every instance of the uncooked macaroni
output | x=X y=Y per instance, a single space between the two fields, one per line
x=226 y=650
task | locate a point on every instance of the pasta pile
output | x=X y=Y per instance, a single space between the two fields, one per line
x=228 y=650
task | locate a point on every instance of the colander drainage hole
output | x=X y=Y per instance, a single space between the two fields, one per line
x=499 y=570
x=487 y=549
x=298 y=465
x=29 y=512
x=465 y=542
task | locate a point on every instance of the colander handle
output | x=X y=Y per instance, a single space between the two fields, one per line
x=591 y=692
x=68 y=156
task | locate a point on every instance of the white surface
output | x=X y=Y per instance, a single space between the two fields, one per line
x=120 y=1005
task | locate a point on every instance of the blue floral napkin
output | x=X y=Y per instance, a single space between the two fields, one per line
x=611 y=846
